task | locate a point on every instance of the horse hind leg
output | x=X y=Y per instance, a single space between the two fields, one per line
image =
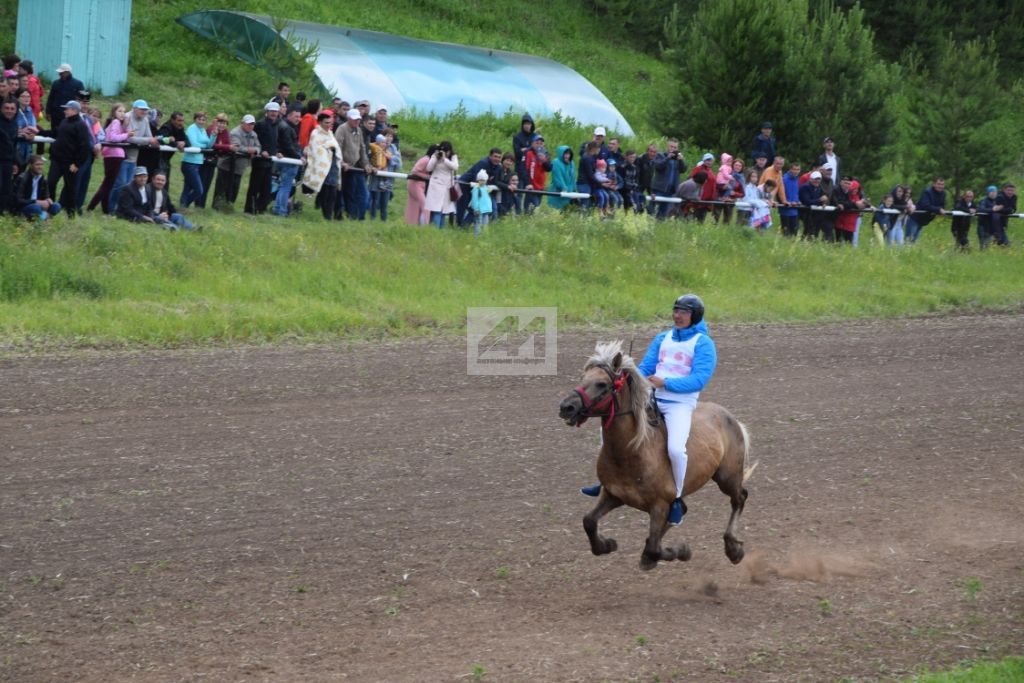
x=600 y=545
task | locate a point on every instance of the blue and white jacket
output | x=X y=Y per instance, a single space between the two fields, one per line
x=684 y=358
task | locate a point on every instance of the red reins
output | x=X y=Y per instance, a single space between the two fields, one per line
x=609 y=400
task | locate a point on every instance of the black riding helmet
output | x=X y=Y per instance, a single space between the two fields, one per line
x=693 y=304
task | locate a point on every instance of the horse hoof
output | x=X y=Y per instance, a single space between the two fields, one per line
x=647 y=563
x=683 y=553
x=734 y=551
x=611 y=545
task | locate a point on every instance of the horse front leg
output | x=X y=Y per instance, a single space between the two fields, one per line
x=654 y=552
x=734 y=546
x=599 y=545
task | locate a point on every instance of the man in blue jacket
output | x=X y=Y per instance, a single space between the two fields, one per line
x=490 y=163
x=931 y=204
x=679 y=363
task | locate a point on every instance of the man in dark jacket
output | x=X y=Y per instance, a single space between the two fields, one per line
x=764 y=143
x=1005 y=204
x=259 y=196
x=68 y=154
x=490 y=163
x=135 y=203
x=585 y=181
x=63 y=90
x=288 y=147
x=32 y=194
x=932 y=203
x=171 y=134
x=811 y=195
x=8 y=145
x=667 y=169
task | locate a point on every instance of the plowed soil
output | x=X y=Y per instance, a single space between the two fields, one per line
x=370 y=512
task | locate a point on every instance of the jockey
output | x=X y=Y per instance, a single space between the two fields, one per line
x=678 y=363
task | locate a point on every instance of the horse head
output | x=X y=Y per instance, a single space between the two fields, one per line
x=610 y=386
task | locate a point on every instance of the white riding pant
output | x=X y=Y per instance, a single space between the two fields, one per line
x=678 y=417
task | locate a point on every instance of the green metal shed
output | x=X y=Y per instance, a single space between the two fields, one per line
x=90 y=35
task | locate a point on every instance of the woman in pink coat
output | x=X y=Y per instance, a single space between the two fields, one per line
x=443 y=167
x=415 y=211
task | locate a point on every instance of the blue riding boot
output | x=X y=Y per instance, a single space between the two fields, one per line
x=676 y=512
x=592 y=491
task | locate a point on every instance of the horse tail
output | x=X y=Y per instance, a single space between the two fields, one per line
x=747 y=471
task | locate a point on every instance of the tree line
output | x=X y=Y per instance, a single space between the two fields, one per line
x=911 y=89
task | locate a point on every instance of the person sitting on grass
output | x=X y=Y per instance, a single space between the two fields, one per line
x=32 y=192
x=163 y=210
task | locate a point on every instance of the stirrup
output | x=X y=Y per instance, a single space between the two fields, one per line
x=592 y=491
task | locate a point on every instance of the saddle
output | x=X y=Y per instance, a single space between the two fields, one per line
x=655 y=417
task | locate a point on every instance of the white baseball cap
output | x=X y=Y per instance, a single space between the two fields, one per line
x=63 y=67
x=383 y=107
x=272 y=106
x=599 y=130
x=248 y=118
x=354 y=114
x=815 y=176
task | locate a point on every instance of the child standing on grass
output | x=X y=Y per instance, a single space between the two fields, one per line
x=480 y=203
x=881 y=222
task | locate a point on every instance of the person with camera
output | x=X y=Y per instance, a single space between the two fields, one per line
x=667 y=167
x=442 y=192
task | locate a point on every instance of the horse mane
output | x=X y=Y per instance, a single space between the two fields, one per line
x=640 y=389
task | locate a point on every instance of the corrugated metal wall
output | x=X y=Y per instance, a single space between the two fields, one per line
x=90 y=35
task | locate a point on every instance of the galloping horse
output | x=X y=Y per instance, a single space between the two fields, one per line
x=633 y=464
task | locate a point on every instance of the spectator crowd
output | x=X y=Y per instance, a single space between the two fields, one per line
x=347 y=157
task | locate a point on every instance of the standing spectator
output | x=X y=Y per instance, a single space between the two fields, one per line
x=708 y=190
x=882 y=221
x=8 y=150
x=902 y=202
x=586 y=183
x=231 y=167
x=62 y=91
x=507 y=182
x=288 y=148
x=32 y=193
x=259 y=196
x=113 y=156
x=71 y=150
x=631 y=194
x=774 y=172
x=1006 y=204
x=28 y=128
x=614 y=152
x=363 y=106
x=140 y=133
x=521 y=142
x=758 y=198
x=490 y=163
x=171 y=134
x=480 y=202
x=764 y=143
x=220 y=137
x=739 y=180
x=723 y=191
x=355 y=165
x=645 y=169
x=442 y=168
x=689 y=191
x=602 y=149
x=84 y=175
x=848 y=202
x=563 y=177
x=192 y=162
x=163 y=210
x=308 y=122
x=381 y=123
x=961 y=225
x=380 y=192
x=828 y=218
x=323 y=165
x=667 y=168
x=811 y=195
x=34 y=87
x=985 y=207
x=789 y=195
x=829 y=159
x=284 y=91
x=415 y=213
x=931 y=203
x=538 y=163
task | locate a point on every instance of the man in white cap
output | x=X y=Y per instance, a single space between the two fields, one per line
x=602 y=151
x=383 y=124
x=259 y=196
x=231 y=167
x=141 y=132
x=811 y=195
x=63 y=90
x=355 y=164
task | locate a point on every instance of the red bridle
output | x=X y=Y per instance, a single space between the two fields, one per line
x=608 y=400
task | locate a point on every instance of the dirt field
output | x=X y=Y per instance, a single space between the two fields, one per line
x=376 y=514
